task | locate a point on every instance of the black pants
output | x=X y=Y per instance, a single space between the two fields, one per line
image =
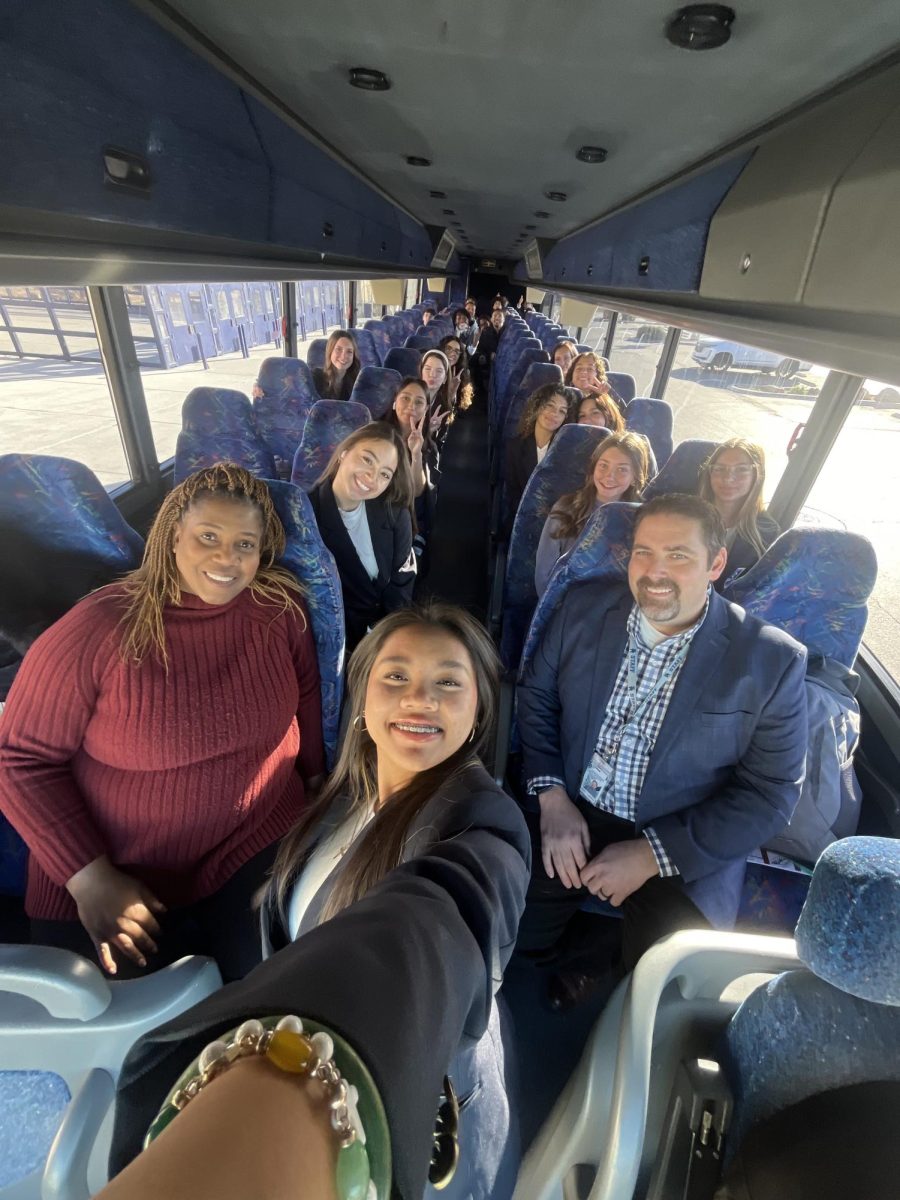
x=223 y=926
x=551 y=924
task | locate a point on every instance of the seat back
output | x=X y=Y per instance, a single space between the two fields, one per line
x=315 y=353
x=381 y=336
x=64 y=1034
x=328 y=423
x=504 y=392
x=563 y=470
x=420 y=341
x=601 y=552
x=680 y=473
x=846 y=1000
x=217 y=425
x=286 y=378
x=814 y=584
x=404 y=360
x=288 y=393
x=306 y=557
x=623 y=385
x=376 y=387
x=397 y=329
x=366 y=348
x=652 y=418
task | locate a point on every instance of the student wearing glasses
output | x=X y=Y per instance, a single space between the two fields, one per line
x=732 y=479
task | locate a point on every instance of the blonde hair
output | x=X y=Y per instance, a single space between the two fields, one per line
x=155 y=583
x=354 y=780
x=746 y=523
x=571 y=512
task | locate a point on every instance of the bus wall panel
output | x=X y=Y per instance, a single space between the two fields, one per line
x=764 y=237
x=92 y=73
x=856 y=266
x=656 y=245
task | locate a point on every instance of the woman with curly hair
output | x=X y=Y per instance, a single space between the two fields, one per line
x=588 y=374
x=162 y=736
x=546 y=411
x=618 y=470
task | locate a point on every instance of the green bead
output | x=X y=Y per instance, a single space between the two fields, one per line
x=165 y=1117
x=353 y=1172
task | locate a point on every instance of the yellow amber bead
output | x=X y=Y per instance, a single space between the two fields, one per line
x=289 y=1051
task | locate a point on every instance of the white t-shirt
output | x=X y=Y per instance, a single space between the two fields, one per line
x=357 y=525
x=541 y=451
x=326 y=854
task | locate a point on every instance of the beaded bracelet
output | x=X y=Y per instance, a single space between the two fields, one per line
x=298 y=1051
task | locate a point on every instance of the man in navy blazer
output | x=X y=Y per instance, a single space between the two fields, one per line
x=664 y=736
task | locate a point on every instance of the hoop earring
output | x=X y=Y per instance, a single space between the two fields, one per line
x=471 y=737
x=360 y=728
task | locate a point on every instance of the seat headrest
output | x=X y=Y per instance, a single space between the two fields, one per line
x=849 y=929
x=814 y=584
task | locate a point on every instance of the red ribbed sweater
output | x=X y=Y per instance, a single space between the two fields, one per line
x=178 y=778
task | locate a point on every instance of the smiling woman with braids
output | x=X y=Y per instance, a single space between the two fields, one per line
x=159 y=739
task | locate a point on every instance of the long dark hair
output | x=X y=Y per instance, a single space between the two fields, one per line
x=329 y=372
x=399 y=493
x=536 y=401
x=353 y=784
x=441 y=401
x=390 y=417
x=466 y=392
x=570 y=513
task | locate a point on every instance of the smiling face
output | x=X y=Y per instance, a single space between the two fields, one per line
x=365 y=470
x=564 y=356
x=461 y=321
x=669 y=570
x=216 y=547
x=592 y=413
x=421 y=703
x=551 y=415
x=433 y=372
x=497 y=318
x=453 y=350
x=613 y=475
x=584 y=375
x=410 y=405
x=342 y=354
x=732 y=477
x=470 y=307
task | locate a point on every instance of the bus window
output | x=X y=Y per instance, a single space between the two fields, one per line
x=186 y=337
x=857 y=489
x=54 y=395
x=635 y=351
x=719 y=388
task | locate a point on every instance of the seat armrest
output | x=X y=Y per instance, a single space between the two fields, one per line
x=65 y=984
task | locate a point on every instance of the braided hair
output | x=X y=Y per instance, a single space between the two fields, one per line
x=155 y=583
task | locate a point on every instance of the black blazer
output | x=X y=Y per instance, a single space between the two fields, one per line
x=743 y=555
x=367 y=600
x=407 y=975
x=321 y=383
x=521 y=459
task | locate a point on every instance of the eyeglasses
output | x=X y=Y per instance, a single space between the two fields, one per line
x=741 y=472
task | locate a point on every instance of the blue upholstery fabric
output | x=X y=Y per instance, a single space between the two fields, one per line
x=366 y=348
x=419 y=342
x=286 y=378
x=405 y=360
x=32 y=1104
x=306 y=557
x=315 y=354
x=288 y=393
x=380 y=336
x=813 y=583
x=397 y=329
x=61 y=536
x=376 y=388
x=328 y=423
x=563 y=470
x=849 y=929
x=680 y=473
x=623 y=384
x=601 y=552
x=798 y=1036
x=652 y=418
x=218 y=426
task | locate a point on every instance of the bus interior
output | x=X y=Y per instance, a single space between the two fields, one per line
x=197 y=193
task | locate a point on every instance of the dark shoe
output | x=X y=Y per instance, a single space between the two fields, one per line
x=573 y=986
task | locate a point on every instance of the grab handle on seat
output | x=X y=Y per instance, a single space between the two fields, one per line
x=65 y=984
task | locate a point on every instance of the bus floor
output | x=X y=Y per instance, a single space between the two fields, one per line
x=458 y=571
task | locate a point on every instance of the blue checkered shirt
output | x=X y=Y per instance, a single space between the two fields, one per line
x=629 y=747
